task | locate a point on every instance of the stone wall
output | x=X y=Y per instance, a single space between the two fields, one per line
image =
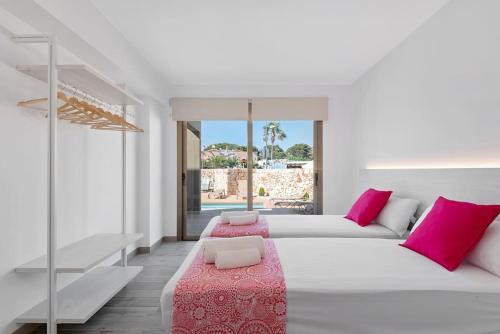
x=219 y=177
x=284 y=182
x=288 y=183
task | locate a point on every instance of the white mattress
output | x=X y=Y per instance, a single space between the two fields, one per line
x=315 y=226
x=374 y=286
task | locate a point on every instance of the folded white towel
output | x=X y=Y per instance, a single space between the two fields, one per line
x=212 y=246
x=243 y=220
x=237 y=258
x=225 y=215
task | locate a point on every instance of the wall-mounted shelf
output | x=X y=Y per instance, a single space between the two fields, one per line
x=84 y=254
x=87 y=80
x=80 y=300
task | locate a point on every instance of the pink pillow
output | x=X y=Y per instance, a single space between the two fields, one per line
x=451 y=230
x=368 y=206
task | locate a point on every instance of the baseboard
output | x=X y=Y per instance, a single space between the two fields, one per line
x=150 y=249
x=156 y=244
x=169 y=239
x=26 y=329
x=143 y=250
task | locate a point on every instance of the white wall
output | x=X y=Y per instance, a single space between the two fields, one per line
x=339 y=147
x=89 y=190
x=143 y=175
x=338 y=131
x=152 y=170
x=434 y=101
x=22 y=196
x=169 y=181
x=156 y=171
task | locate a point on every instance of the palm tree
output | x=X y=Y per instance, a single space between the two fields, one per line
x=276 y=133
x=265 y=136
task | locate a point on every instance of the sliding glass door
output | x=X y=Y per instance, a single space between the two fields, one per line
x=284 y=175
x=214 y=172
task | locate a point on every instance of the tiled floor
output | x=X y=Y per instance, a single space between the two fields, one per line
x=136 y=308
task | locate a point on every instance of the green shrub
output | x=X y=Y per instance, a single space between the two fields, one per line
x=306 y=196
x=262 y=192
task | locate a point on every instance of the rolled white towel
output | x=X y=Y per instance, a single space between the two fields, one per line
x=243 y=220
x=225 y=215
x=212 y=246
x=237 y=258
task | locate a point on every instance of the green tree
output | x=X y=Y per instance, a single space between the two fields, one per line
x=221 y=162
x=229 y=147
x=265 y=138
x=278 y=153
x=299 y=152
x=226 y=146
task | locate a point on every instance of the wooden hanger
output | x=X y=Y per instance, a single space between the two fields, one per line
x=81 y=112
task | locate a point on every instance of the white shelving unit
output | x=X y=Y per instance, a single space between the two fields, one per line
x=82 y=298
x=81 y=256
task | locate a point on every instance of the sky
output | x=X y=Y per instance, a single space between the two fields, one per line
x=213 y=132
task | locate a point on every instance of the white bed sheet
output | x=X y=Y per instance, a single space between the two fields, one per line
x=315 y=226
x=374 y=286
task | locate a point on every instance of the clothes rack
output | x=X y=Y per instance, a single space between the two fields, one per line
x=81 y=112
x=78 y=301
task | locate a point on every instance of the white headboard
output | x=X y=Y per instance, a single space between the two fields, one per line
x=478 y=185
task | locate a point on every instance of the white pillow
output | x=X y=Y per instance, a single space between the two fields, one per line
x=421 y=218
x=397 y=213
x=486 y=255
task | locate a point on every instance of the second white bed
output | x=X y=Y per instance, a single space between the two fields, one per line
x=315 y=226
x=374 y=286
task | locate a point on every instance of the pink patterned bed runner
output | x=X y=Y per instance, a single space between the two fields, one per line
x=245 y=300
x=261 y=227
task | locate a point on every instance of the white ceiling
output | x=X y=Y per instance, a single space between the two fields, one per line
x=265 y=41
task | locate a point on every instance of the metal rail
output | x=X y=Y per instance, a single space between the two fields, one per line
x=124 y=187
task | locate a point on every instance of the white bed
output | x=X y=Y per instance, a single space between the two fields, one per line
x=374 y=286
x=315 y=226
